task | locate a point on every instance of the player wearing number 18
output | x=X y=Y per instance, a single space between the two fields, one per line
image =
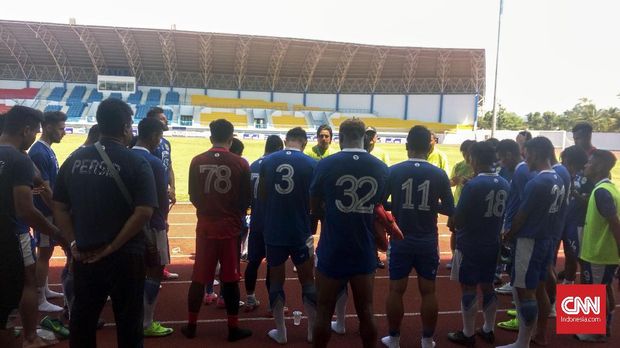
x=219 y=188
x=284 y=185
x=478 y=223
x=419 y=192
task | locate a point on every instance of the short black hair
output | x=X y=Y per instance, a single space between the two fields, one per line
x=352 y=129
x=367 y=138
x=1 y=123
x=221 y=130
x=582 y=127
x=508 y=146
x=237 y=147
x=541 y=146
x=419 y=139
x=155 y=111
x=494 y=142
x=93 y=133
x=53 y=117
x=606 y=158
x=149 y=127
x=297 y=133
x=20 y=117
x=113 y=115
x=327 y=128
x=466 y=145
x=526 y=134
x=575 y=155
x=274 y=143
x=482 y=153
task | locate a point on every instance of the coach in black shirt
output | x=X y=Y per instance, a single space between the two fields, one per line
x=109 y=245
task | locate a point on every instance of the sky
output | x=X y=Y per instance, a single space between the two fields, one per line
x=552 y=52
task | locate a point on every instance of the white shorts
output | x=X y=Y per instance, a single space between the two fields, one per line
x=44 y=240
x=26 y=243
x=157 y=247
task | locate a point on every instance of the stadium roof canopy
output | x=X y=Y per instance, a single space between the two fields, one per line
x=78 y=53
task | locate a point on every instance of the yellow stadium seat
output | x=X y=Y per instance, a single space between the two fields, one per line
x=236 y=120
x=234 y=103
x=396 y=124
x=286 y=121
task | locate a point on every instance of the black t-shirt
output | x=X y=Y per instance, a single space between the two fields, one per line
x=98 y=208
x=16 y=169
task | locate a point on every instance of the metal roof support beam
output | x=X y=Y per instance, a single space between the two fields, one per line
x=206 y=58
x=168 y=50
x=275 y=62
x=376 y=67
x=91 y=46
x=410 y=69
x=348 y=53
x=477 y=73
x=243 y=49
x=310 y=64
x=18 y=53
x=131 y=51
x=53 y=48
x=443 y=69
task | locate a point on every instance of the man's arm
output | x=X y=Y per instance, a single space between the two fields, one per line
x=445 y=195
x=531 y=195
x=171 y=185
x=62 y=218
x=26 y=212
x=192 y=185
x=606 y=206
x=245 y=189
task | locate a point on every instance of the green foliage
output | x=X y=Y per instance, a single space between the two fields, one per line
x=505 y=120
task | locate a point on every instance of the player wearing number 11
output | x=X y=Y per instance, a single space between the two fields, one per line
x=419 y=192
x=219 y=188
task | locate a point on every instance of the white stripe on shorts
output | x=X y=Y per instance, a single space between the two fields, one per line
x=523 y=254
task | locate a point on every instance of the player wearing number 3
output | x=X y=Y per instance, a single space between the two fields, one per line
x=419 y=192
x=349 y=184
x=219 y=188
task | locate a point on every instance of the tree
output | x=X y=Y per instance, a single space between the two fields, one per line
x=505 y=120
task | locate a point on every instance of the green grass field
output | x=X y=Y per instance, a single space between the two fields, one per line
x=184 y=149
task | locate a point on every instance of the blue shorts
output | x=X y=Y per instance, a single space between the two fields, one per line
x=571 y=239
x=555 y=248
x=598 y=274
x=404 y=257
x=277 y=255
x=473 y=267
x=530 y=262
x=256 y=246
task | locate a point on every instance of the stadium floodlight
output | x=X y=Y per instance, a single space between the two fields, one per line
x=499 y=30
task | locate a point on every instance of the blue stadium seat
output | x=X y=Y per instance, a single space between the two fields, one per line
x=77 y=94
x=168 y=114
x=153 y=98
x=75 y=111
x=94 y=96
x=52 y=108
x=135 y=98
x=172 y=98
x=141 y=111
x=116 y=95
x=57 y=94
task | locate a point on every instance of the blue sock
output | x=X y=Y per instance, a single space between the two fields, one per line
x=426 y=332
x=209 y=288
x=528 y=311
x=488 y=299
x=308 y=294
x=394 y=333
x=276 y=294
x=468 y=300
x=151 y=289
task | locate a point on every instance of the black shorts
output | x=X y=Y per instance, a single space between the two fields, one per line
x=11 y=273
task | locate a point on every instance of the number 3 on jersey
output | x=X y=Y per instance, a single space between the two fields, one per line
x=218 y=178
x=358 y=204
x=287 y=172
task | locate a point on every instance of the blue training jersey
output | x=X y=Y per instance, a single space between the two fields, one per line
x=160 y=214
x=520 y=178
x=481 y=206
x=577 y=208
x=561 y=220
x=419 y=192
x=257 y=219
x=45 y=159
x=285 y=183
x=542 y=201
x=164 y=153
x=350 y=183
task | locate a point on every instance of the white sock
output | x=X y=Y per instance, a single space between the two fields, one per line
x=41 y=293
x=525 y=333
x=469 y=318
x=489 y=314
x=427 y=342
x=149 y=310
x=391 y=341
x=279 y=333
x=50 y=293
x=568 y=282
x=311 y=313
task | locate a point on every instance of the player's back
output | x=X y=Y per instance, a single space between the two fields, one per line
x=286 y=176
x=482 y=203
x=257 y=219
x=520 y=178
x=564 y=175
x=219 y=188
x=419 y=192
x=45 y=159
x=542 y=200
x=350 y=183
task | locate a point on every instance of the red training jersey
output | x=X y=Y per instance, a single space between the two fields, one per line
x=219 y=188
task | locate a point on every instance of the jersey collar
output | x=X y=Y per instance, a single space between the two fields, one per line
x=44 y=143
x=141 y=148
x=353 y=150
x=520 y=164
x=603 y=181
x=219 y=149
x=417 y=160
x=291 y=149
x=548 y=171
x=488 y=174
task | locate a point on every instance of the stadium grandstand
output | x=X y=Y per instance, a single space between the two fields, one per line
x=254 y=81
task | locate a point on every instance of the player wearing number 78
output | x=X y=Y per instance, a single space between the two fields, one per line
x=419 y=192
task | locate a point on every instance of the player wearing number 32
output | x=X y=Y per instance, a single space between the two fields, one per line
x=219 y=188
x=284 y=186
x=419 y=192
x=478 y=221
x=349 y=184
